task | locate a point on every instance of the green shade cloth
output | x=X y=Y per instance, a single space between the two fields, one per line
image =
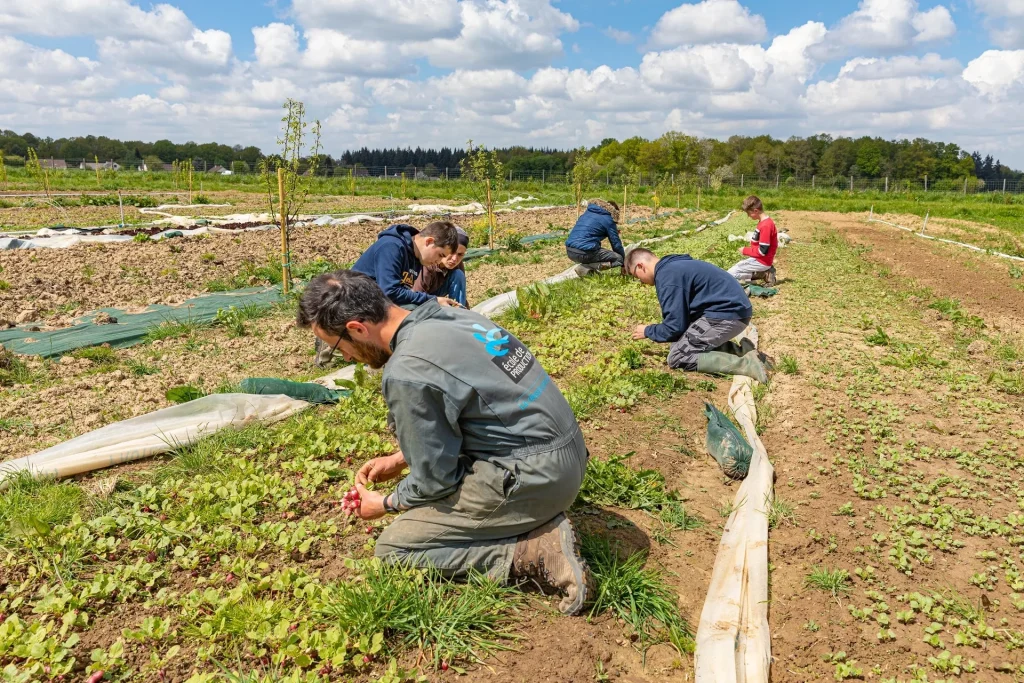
x=726 y=444
x=131 y=329
x=302 y=391
x=754 y=290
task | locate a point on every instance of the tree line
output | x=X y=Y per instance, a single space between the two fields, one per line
x=672 y=153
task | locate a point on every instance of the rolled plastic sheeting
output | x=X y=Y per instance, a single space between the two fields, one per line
x=157 y=432
x=733 y=640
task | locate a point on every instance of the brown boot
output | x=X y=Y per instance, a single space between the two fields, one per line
x=771 y=278
x=550 y=557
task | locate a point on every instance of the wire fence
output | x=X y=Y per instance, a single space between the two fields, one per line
x=686 y=181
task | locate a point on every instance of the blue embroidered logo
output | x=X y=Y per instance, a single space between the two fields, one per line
x=492 y=339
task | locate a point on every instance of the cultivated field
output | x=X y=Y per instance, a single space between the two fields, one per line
x=895 y=422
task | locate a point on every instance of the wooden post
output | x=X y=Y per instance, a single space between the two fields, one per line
x=190 y=165
x=1004 y=186
x=698 y=197
x=625 y=205
x=965 y=186
x=121 y=205
x=776 y=181
x=851 y=183
x=579 y=198
x=925 y=182
x=925 y=224
x=286 y=266
x=812 y=182
x=887 y=184
x=741 y=181
x=490 y=218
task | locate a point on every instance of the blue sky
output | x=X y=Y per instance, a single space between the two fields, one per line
x=541 y=72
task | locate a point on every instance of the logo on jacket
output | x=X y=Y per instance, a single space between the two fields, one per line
x=408 y=279
x=492 y=340
x=507 y=352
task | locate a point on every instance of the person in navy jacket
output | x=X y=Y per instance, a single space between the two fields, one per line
x=703 y=308
x=394 y=262
x=595 y=225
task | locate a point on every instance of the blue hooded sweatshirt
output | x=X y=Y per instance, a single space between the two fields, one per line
x=689 y=289
x=593 y=226
x=391 y=261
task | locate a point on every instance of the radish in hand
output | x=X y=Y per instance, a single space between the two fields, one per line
x=350 y=503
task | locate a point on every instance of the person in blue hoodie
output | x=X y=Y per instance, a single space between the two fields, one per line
x=703 y=309
x=394 y=262
x=596 y=224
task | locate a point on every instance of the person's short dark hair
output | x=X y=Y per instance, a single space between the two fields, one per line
x=636 y=255
x=445 y=234
x=612 y=202
x=463 y=237
x=333 y=299
x=752 y=203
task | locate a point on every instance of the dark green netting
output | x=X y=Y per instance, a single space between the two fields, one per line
x=303 y=391
x=132 y=328
x=726 y=444
x=754 y=290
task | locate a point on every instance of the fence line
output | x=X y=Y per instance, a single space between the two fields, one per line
x=648 y=180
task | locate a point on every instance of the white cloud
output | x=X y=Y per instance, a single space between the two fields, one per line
x=389 y=20
x=331 y=51
x=518 y=34
x=276 y=45
x=197 y=54
x=99 y=18
x=1004 y=20
x=997 y=73
x=935 y=24
x=620 y=37
x=886 y=26
x=902 y=94
x=873 y=68
x=703 y=67
x=710 y=21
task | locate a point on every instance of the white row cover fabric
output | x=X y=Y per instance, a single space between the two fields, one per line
x=872 y=219
x=156 y=432
x=64 y=242
x=733 y=639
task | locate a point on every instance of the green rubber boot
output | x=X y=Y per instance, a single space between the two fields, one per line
x=716 y=362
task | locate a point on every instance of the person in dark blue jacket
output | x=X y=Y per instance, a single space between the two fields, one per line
x=394 y=262
x=703 y=309
x=596 y=224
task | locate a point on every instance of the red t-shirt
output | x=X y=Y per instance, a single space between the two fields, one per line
x=765 y=242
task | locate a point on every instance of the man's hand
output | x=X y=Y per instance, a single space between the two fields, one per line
x=740 y=251
x=380 y=469
x=371 y=505
x=638 y=332
x=445 y=301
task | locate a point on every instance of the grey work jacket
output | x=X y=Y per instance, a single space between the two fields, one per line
x=458 y=385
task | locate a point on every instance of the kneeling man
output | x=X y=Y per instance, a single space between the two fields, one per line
x=494 y=452
x=703 y=309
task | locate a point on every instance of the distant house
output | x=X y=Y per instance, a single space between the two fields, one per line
x=55 y=164
x=103 y=166
x=220 y=170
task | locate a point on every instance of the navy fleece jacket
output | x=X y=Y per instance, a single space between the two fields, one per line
x=391 y=261
x=593 y=226
x=689 y=289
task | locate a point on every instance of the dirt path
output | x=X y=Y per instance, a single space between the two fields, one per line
x=985 y=284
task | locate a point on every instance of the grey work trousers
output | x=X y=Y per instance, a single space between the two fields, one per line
x=704 y=334
x=476 y=527
x=595 y=256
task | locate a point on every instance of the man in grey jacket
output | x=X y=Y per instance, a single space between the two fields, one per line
x=494 y=452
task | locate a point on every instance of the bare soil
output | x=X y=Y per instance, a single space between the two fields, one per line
x=61 y=284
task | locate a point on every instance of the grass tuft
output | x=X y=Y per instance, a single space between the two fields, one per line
x=834 y=582
x=637 y=595
x=422 y=611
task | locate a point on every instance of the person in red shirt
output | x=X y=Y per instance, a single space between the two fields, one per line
x=760 y=253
